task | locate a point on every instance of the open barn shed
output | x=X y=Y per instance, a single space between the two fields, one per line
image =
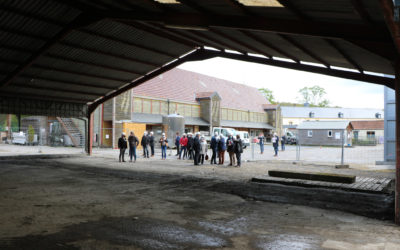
x=65 y=57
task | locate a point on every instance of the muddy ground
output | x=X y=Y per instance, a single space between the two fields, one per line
x=96 y=203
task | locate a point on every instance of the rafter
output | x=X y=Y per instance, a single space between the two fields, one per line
x=62 y=90
x=58 y=98
x=361 y=11
x=81 y=20
x=348 y=58
x=195 y=38
x=102 y=77
x=71 y=83
x=129 y=43
x=161 y=33
x=252 y=48
x=194 y=5
x=109 y=54
x=305 y=50
x=389 y=82
x=240 y=7
x=98 y=65
x=290 y=6
x=270 y=45
x=216 y=41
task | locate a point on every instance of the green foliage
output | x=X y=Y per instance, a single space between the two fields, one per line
x=314 y=96
x=31 y=133
x=268 y=94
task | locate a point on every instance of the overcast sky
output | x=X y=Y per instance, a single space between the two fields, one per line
x=286 y=83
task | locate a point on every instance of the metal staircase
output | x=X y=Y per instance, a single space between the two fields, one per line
x=72 y=131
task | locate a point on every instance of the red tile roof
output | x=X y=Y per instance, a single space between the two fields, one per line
x=363 y=125
x=182 y=85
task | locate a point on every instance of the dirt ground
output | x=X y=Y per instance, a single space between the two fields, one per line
x=97 y=203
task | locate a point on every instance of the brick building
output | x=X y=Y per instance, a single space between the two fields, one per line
x=204 y=101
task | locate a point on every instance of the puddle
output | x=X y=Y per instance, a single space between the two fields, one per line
x=138 y=232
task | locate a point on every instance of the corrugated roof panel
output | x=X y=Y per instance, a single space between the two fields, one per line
x=48 y=9
x=85 y=68
x=284 y=45
x=133 y=35
x=72 y=77
x=29 y=92
x=13 y=55
x=367 y=60
x=272 y=12
x=118 y=48
x=237 y=35
x=103 y=59
x=19 y=40
x=61 y=85
x=324 y=50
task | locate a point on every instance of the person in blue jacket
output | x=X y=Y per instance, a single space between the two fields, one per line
x=214 y=148
x=221 y=149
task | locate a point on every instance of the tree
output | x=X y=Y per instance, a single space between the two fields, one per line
x=314 y=96
x=268 y=94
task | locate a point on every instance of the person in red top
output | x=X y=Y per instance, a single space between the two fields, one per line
x=183 y=143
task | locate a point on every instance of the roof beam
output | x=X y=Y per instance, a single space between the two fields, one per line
x=220 y=33
x=63 y=90
x=394 y=27
x=389 y=82
x=79 y=73
x=23 y=13
x=81 y=20
x=216 y=41
x=384 y=50
x=72 y=84
x=161 y=33
x=305 y=50
x=195 y=38
x=193 y=56
x=194 y=6
x=270 y=45
x=361 y=11
x=58 y=98
x=144 y=47
x=345 y=55
x=289 y=5
x=103 y=66
x=299 y=27
x=115 y=56
x=240 y=7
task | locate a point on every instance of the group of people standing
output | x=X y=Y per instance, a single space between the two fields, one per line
x=188 y=146
x=191 y=147
x=233 y=145
x=147 y=143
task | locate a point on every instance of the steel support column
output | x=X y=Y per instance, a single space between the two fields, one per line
x=89 y=138
x=397 y=197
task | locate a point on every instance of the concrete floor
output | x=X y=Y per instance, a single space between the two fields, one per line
x=97 y=203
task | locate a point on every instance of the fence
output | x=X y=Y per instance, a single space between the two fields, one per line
x=365 y=151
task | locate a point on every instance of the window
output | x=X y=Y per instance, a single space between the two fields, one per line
x=329 y=133
x=371 y=134
x=309 y=133
x=355 y=133
x=311 y=114
x=340 y=115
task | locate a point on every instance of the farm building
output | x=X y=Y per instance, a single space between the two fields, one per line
x=325 y=133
